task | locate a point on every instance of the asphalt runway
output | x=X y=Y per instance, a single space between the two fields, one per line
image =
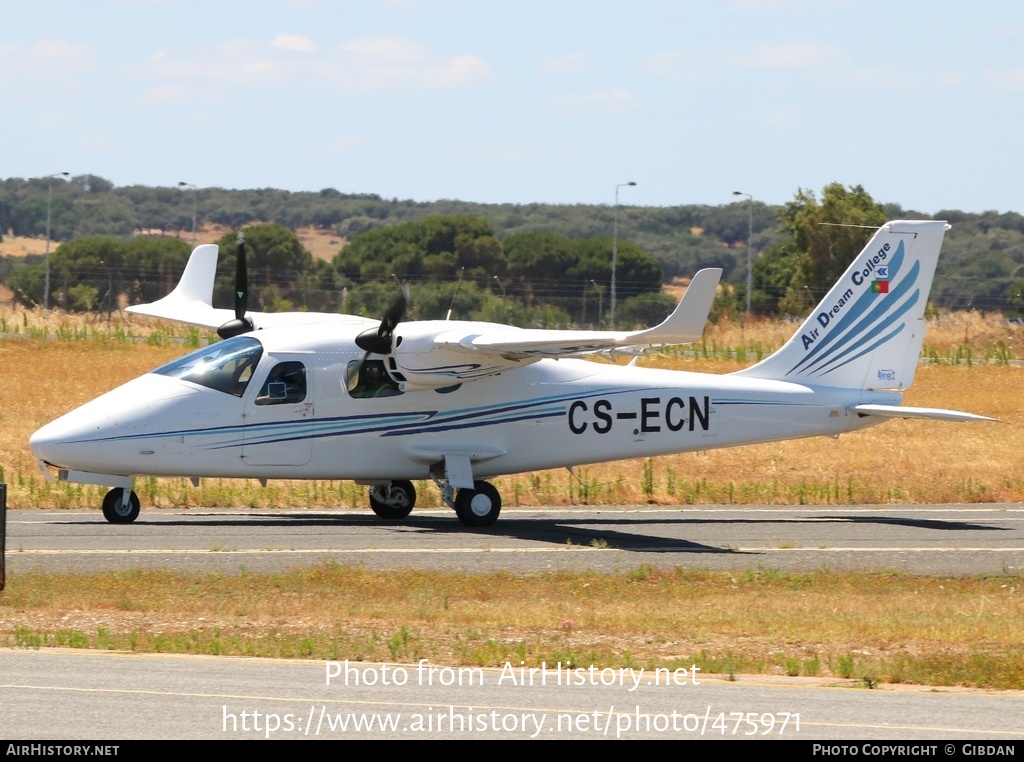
x=942 y=539
x=78 y=694
x=104 y=696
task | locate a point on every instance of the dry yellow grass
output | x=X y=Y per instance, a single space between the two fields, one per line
x=898 y=461
x=883 y=627
x=22 y=246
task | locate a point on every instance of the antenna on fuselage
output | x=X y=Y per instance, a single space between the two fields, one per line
x=457 y=286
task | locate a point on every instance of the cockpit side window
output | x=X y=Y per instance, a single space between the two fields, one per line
x=226 y=366
x=286 y=384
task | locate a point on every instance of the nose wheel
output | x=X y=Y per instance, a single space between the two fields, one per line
x=121 y=506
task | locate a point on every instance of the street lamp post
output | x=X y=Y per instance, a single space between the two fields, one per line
x=49 y=205
x=615 y=246
x=502 y=287
x=183 y=184
x=750 y=237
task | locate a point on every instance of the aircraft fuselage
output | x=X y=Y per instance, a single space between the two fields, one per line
x=548 y=414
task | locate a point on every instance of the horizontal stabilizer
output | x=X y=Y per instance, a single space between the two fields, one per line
x=932 y=413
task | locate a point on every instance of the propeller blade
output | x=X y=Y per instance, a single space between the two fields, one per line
x=378 y=340
x=354 y=372
x=241 y=324
x=241 y=279
x=394 y=315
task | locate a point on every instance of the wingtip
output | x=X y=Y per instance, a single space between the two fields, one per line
x=687 y=322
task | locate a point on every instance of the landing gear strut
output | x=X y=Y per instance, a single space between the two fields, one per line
x=393 y=502
x=121 y=506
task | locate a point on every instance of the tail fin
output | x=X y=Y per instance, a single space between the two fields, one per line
x=867 y=331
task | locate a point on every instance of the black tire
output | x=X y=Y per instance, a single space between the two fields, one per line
x=396 y=504
x=115 y=512
x=478 y=507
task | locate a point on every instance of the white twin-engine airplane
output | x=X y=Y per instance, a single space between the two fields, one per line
x=323 y=396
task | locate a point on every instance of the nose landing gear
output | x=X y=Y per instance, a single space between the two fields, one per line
x=121 y=506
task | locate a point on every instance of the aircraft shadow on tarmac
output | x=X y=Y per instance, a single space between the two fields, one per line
x=611 y=533
x=584 y=531
x=549 y=530
x=958 y=526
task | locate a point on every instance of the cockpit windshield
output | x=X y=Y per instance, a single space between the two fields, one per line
x=226 y=366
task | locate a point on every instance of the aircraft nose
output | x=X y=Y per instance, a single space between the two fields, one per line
x=95 y=437
x=62 y=442
x=42 y=441
x=112 y=433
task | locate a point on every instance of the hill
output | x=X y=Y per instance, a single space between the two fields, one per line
x=981 y=266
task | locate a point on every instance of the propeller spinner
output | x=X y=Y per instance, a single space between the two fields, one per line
x=378 y=340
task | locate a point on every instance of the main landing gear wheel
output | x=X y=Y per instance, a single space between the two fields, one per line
x=478 y=507
x=114 y=509
x=395 y=502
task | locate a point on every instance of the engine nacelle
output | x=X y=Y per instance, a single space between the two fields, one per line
x=421 y=360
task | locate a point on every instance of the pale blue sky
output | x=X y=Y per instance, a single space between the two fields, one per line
x=920 y=102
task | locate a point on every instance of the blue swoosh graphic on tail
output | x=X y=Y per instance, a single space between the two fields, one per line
x=862 y=321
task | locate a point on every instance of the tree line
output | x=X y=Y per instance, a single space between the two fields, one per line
x=447 y=263
x=524 y=263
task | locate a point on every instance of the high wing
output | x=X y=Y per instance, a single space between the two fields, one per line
x=191 y=301
x=685 y=325
x=436 y=354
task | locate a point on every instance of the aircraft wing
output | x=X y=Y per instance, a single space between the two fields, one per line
x=684 y=326
x=191 y=301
